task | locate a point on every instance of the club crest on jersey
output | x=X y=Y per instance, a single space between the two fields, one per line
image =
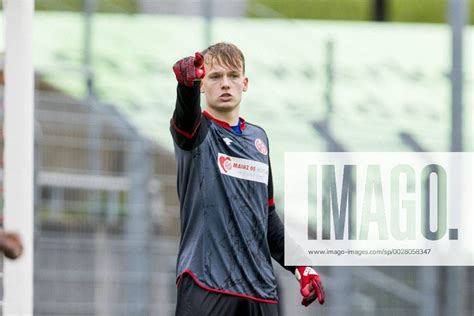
x=225 y=162
x=260 y=145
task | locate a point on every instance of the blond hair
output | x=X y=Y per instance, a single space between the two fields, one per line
x=226 y=54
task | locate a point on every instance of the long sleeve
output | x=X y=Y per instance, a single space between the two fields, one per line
x=276 y=232
x=186 y=123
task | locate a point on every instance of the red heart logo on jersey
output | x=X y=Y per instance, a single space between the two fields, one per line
x=225 y=163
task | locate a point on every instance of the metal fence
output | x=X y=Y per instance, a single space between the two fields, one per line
x=106 y=239
x=107 y=228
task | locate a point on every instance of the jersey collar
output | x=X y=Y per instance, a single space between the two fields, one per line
x=223 y=123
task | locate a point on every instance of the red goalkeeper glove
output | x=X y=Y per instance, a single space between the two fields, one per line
x=189 y=69
x=310 y=285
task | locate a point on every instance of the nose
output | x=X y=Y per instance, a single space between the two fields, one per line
x=225 y=82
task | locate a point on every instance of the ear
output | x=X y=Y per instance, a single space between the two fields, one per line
x=246 y=84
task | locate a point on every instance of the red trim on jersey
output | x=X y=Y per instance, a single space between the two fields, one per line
x=184 y=133
x=190 y=273
x=242 y=124
x=224 y=123
x=271 y=202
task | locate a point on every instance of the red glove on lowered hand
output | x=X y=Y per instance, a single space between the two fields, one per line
x=310 y=285
x=189 y=69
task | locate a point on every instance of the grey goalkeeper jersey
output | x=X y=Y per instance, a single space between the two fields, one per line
x=229 y=227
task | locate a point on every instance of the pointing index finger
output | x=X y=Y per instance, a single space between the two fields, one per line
x=198 y=60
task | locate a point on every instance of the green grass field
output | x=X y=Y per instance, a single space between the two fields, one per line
x=112 y=6
x=429 y=11
x=320 y=9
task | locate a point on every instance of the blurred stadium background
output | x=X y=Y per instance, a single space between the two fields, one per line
x=325 y=75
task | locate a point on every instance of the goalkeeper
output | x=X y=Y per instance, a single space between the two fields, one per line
x=229 y=227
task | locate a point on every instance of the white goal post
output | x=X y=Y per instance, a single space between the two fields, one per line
x=18 y=153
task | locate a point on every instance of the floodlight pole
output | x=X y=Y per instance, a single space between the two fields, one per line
x=95 y=125
x=19 y=153
x=208 y=13
x=89 y=7
x=458 y=17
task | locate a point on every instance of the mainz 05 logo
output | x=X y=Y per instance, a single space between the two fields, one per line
x=244 y=169
x=379 y=201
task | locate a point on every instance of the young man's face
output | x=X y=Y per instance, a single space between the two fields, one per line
x=223 y=86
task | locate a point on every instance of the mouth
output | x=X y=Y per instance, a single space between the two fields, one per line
x=225 y=96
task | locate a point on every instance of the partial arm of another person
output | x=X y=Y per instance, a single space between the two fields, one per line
x=10 y=244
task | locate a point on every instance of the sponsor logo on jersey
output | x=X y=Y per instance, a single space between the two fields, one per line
x=225 y=163
x=260 y=145
x=243 y=168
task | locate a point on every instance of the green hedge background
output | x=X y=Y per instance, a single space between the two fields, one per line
x=428 y=11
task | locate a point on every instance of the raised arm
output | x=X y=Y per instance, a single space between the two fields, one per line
x=186 y=120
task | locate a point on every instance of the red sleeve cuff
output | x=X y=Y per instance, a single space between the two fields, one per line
x=185 y=134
